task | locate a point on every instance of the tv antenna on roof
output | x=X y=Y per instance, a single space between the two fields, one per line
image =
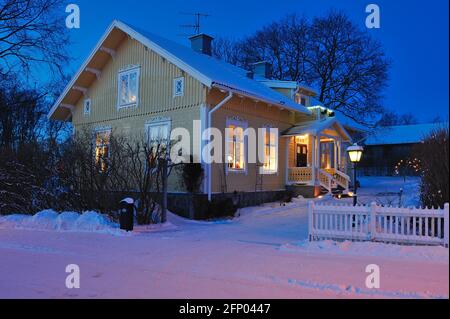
x=197 y=24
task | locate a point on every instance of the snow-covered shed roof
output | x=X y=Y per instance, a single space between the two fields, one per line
x=210 y=71
x=404 y=134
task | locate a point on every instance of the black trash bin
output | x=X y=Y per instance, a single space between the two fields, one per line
x=126 y=217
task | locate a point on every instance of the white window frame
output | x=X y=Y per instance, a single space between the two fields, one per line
x=87 y=113
x=175 y=93
x=127 y=72
x=243 y=125
x=264 y=170
x=159 y=122
x=99 y=131
x=299 y=99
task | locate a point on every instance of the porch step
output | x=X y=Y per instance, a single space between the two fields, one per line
x=335 y=191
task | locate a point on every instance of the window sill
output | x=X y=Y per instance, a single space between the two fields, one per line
x=127 y=106
x=269 y=172
x=236 y=171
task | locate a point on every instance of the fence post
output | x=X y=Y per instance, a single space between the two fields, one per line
x=373 y=220
x=446 y=225
x=310 y=220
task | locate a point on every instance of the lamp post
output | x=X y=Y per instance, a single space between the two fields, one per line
x=355 y=153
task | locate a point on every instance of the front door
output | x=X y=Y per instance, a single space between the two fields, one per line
x=302 y=155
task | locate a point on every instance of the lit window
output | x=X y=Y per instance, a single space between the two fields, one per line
x=178 y=87
x=270 y=165
x=102 y=145
x=129 y=88
x=87 y=107
x=235 y=147
x=159 y=136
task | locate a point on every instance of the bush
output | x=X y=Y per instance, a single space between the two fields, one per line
x=433 y=155
x=192 y=176
x=221 y=208
x=27 y=184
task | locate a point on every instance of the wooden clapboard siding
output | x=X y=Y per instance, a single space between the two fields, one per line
x=258 y=115
x=155 y=92
x=155 y=97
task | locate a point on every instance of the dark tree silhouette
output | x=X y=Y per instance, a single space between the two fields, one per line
x=348 y=67
x=32 y=34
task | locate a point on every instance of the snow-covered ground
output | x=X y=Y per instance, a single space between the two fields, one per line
x=261 y=254
x=393 y=191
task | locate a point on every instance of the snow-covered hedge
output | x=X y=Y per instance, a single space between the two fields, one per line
x=50 y=220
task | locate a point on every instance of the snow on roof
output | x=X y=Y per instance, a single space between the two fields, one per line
x=315 y=127
x=350 y=123
x=210 y=71
x=221 y=73
x=404 y=134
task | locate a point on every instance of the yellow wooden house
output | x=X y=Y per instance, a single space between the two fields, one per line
x=135 y=82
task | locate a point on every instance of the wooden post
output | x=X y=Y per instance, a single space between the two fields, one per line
x=313 y=160
x=446 y=206
x=288 y=144
x=310 y=220
x=373 y=221
x=163 y=162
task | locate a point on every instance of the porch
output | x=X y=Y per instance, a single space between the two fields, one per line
x=316 y=156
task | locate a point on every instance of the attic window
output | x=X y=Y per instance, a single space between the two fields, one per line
x=178 y=87
x=87 y=107
x=128 y=89
x=301 y=99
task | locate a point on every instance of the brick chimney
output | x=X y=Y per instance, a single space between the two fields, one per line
x=202 y=43
x=262 y=69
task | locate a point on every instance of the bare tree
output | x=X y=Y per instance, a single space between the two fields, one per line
x=144 y=173
x=349 y=67
x=283 y=44
x=21 y=113
x=227 y=49
x=408 y=119
x=433 y=154
x=344 y=63
x=391 y=118
x=32 y=33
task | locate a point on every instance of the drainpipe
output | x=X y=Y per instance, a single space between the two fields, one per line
x=210 y=113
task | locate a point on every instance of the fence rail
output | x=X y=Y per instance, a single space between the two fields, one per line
x=379 y=223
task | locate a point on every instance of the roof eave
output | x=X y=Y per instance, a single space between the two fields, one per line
x=259 y=98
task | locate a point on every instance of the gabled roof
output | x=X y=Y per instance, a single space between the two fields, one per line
x=316 y=127
x=208 y=70
x=404 y=134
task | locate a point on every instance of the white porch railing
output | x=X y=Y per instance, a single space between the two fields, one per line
x=378 y=223
x=339 y=178
x=326 y=180
x=300 y=175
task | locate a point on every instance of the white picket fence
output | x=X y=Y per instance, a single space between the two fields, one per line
x=378 y=223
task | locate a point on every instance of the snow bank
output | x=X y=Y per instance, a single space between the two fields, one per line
x=50 y=220
x=347 y=248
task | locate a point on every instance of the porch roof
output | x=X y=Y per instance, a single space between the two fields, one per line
x=316 y=127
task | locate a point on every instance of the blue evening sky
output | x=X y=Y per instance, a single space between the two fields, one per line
x=414 y=34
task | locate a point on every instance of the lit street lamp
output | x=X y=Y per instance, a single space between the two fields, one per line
x=355 y=153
